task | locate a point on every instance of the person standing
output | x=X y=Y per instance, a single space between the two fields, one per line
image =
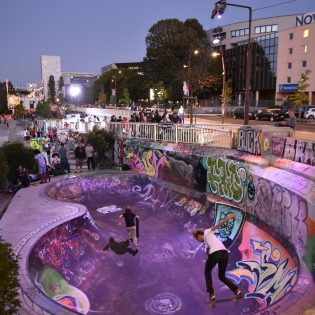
x=130 y=217
x=89 y=153
x=79 y=154
x=42 y=165
x=217 y=254
x=181 y=113
x=64 y=163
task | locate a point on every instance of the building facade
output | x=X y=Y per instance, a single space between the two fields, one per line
x=50 y=65
x=137 y=66
x=265 y=56
x=297 y=51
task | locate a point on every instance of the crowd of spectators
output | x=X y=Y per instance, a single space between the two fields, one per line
x=153 y=116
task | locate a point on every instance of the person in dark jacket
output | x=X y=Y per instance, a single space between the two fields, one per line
x=79 y=154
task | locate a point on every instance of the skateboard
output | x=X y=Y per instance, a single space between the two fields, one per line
x=235 y=299
x=137 y=228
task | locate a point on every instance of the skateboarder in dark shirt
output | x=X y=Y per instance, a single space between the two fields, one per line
x=130 y=217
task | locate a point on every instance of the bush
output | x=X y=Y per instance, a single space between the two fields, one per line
x=103 y=143
x=9 y=283
x=4 y=168
x=16 y=154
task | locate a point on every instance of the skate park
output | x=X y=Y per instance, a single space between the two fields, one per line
x=174 y=188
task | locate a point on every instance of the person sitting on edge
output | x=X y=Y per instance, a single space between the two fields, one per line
x=217 y=254
x=291 y=122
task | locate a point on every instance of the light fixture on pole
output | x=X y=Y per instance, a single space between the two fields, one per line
x=219 y=9
x=218 y=40
x=75 y=91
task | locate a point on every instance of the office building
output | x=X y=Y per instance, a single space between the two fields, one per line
x=297 y=51
x=265 y=56
x=137 y=66
x=50 y=65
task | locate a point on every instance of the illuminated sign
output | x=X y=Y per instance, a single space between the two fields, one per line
x=305 y=19
x=288 y=88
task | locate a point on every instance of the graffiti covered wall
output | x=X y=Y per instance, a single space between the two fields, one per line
x=285 y=201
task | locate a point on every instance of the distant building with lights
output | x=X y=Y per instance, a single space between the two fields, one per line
x=137 y=66
x=50 y=65
x=83 y=79
x=267 y=55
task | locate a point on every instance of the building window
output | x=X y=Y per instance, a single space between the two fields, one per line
x=304 y=63
x=289 y=65
x=274 y=27
x=306 y=33
x=288 y=79
x=290 y=36
x=304 y=48
x=290 y=51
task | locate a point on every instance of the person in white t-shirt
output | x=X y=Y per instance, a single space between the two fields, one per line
x=217 y=254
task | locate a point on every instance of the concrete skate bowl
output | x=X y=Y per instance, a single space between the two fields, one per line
x=69 y=265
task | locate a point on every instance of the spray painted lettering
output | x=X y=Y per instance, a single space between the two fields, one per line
x=270 y=277
x=226 y=178
x=248 y=141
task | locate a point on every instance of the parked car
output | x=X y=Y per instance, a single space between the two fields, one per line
x=239 y=113
x=305 y=109
x=271 y=114
x=310 y=114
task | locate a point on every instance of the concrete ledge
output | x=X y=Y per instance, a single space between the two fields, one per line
x=31 y=215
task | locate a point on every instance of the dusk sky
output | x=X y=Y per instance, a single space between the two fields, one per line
x=92 y=33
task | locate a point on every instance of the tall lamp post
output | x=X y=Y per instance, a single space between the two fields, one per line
x=191 y=52
x=75 y=91
x=219 y=9
x=218 y=40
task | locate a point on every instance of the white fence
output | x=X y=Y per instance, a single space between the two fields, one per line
x=214 y=135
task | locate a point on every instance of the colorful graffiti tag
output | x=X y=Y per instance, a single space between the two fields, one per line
x=296 y=150
x=266 y=266
x=226 y=178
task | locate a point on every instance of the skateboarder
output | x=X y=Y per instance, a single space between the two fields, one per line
x=130 y=225
x=217 y=254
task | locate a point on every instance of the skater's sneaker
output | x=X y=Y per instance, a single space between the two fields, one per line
x=212 y=297
x=239 y=293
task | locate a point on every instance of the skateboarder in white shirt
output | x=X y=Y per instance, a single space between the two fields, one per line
x=217 y=254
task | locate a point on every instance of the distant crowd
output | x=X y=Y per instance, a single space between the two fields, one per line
x=154 y=116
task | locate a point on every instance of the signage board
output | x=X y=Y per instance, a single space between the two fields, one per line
x=305 y=19
x=288 y=88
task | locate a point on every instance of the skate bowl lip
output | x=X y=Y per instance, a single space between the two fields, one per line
x=31 y=295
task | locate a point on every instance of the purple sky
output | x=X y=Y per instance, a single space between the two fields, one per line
x=89 y=34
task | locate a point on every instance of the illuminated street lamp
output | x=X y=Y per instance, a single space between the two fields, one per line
x=219 y=9
x=189 y=94
x=75 y=91
x=218 y=40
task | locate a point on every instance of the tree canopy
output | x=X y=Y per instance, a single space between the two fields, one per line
x=51 y=88
x=180 y=51
x=43 y=110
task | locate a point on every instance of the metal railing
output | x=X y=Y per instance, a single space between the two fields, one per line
x=214 y=135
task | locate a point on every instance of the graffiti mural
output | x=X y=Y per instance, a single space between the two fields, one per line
x=226 y=178
x=266 y=266
x=249 y=141
x=284 y=211
x=302 y=151
x=229 y=231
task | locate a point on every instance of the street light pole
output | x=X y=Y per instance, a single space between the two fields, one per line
x=219 y=9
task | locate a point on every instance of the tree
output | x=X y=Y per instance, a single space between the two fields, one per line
x=301 y=97
x=4 y=168
x=3 y=96
x=160 y=92
x=16 y=154
x=51 y=89
x=126 y=97
x=60 y=90
x=9 y=284
x=176 y=52
x=103 y=143
x=43 y=110
x=19 y=111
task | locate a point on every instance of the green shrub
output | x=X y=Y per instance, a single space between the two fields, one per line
x=9 y=283
x=16 y=154
x=4 y=168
